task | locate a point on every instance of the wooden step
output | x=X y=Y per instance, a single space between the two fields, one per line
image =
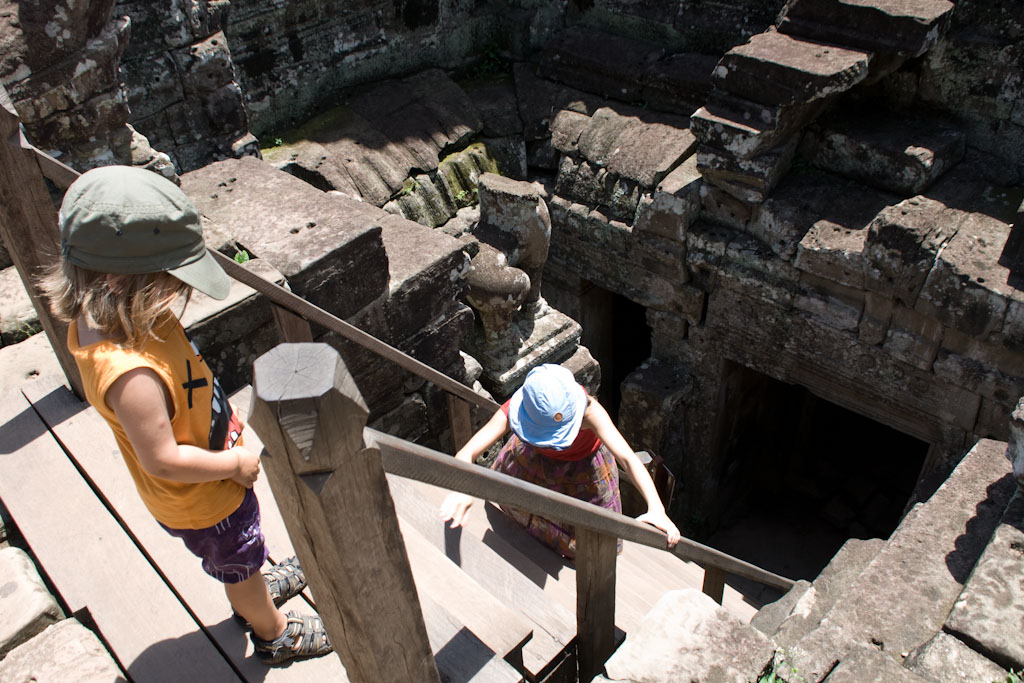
x=499 y=567
x=501 y=628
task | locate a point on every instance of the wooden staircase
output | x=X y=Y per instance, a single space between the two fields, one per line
x=498 y=606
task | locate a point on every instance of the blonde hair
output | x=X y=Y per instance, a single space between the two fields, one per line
x=124 y=307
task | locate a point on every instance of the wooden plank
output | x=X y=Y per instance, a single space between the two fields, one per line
x=595 y=600
x=92 y=444
x=28 y=225
x=500 y=628
x=496 y=565
x=334 y=499
x=92 y=562
x=461 y=656
x=468 y=646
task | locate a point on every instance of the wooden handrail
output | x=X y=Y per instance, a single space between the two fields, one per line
x=427 y=465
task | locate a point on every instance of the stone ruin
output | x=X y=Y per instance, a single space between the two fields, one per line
x=777 y=238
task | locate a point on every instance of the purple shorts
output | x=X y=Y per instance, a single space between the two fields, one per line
x=232 y=550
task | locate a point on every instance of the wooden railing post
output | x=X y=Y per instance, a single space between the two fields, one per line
x=294 y=328
x=460 y=420
x=28 y=224
x=596 y=554
x=714 y=583
x=336 y=505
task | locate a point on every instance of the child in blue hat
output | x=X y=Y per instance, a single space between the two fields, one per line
x=564 y=440
x=132 y=246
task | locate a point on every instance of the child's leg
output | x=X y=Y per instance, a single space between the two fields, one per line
x=251 y=599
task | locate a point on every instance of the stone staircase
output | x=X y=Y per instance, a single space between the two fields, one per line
x=768 y=90
x=938 y=601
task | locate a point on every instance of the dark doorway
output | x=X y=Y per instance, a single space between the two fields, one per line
x=801 y=475
x=616 y=332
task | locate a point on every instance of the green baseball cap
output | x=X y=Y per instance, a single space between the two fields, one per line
x=127 y=220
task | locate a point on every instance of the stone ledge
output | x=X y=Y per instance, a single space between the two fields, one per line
x=26 y=607
x=66 y=652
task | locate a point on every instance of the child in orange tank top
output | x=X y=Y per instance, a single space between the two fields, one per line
x=131 y=246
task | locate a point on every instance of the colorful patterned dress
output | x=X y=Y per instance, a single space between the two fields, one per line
x=586 y=471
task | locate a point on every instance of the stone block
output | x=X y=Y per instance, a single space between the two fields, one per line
x=827 y=589
x=773 y=68
x=66 y=652
x=1015 y=445
x=771 y=616
x=913 y=338
x=897 y=26
x=993 y=419
x=902 y=245
x=719 y=206
x=746 y=128
x=874 y=322
x=540 y=100
x=687 y=636
x=18 y=318
x=666 y=258
x=640 y=149
x=866 y=663
x=901 y=153
x=835 y=305
x=897 y=616
x=973 y=369
x=566 y=128
x=990 y=609
x=579 y=57
x=679 y=83
x=750 y=180
x=946 y=659
x=653 y=398
x=328 y=247
x=821 y=219
x=674 y=204
x=26 y=607
x=495 y=101
x=966 y=288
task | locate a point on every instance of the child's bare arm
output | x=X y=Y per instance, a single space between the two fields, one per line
x=139 y=399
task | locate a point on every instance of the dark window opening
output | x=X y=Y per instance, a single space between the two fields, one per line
x=800 y=475
x=616 y=333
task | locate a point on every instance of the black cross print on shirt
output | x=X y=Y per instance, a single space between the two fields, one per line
x=192 y=383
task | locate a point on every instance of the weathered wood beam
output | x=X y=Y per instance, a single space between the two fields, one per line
x=333 y=495
x=596 y=554
x=28 y=225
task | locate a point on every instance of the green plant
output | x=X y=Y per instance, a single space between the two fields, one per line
x=408 y=187
x=491 y=62
x=1012 y=677
x=242 y=256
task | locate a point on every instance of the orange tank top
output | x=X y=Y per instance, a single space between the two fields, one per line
x=201 y=417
